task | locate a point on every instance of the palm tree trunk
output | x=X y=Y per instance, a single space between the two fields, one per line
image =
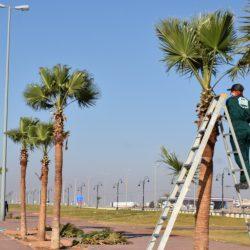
x=58 y=136
x=201 y=238
x=44 y=185
x=23 y=164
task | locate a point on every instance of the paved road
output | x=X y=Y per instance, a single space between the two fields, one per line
x=7 y=243
x=138 y=236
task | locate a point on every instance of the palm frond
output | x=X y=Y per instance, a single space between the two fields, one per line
x=59 y=88
x=171 y=160
x=35 y=96
x=179 y=45
x=21 y=135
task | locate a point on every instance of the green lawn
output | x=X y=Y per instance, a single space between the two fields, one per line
x=222 y=228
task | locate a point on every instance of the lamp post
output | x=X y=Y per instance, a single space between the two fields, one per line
x=48 y=198
x=6 y=103
x=117 y=186
x=96 y=187
x=142 y=183
x=68 y=190
x=81 y=188
x=222 y=176
x=81 y=192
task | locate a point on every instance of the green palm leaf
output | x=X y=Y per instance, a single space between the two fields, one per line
x=171 y=160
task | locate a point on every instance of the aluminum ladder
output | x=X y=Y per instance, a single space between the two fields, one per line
x=235 y=169
x=187 y=172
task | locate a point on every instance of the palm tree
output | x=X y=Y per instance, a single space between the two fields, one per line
x=197 y=48
x=42 y=138
x=58 y=89
x=242 y=67
x=22 y=136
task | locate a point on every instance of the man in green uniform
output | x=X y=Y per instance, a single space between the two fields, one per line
x=239 y=110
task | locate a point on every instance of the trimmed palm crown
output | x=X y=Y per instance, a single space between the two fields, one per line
x=198 y=47
x=58 y=88
x=23 y=134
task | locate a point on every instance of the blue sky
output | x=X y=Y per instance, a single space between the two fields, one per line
x=141 y=107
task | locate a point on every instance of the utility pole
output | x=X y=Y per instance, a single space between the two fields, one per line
x=142 y=183
x=117 y=186
x=96 y=187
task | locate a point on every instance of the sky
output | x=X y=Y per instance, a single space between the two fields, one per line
x=141 y=106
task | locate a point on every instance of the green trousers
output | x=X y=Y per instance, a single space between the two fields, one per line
x=243 y=138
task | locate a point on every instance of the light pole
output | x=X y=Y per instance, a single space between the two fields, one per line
x=222 y=176
x=67 y=190
x=81 y=192
x=81 y=188
x=6 y=103
x=96 y=187
x=142 y=183
x=48 y=198
x=117 y=186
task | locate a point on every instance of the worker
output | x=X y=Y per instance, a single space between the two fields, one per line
x=239 y=110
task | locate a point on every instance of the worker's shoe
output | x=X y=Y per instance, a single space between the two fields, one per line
x=243 y=185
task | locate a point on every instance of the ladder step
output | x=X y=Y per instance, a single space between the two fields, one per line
x=180 y=182
x=156 y=235
x=226 y=134
x=245 y=206
x=164 y=217
x=234 y=170
x=187 y=165
x=202 y=131
x=232 y=152
x=172 y=200
x=194 y=148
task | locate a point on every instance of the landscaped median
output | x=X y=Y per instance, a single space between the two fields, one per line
x=221 y=228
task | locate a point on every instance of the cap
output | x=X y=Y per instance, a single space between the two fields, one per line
x=236 y=86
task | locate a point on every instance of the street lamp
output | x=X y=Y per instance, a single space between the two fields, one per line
x=81 y=188
x=96 y=187
x=222 y=176
x=48 y=198
x=68 y=190
x=6 y=102
x=142 y=183
x=117 y=186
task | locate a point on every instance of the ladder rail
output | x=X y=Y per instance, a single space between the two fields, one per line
x=191 y=172
x=236 y=144
x=231 y=167
x=181 y=176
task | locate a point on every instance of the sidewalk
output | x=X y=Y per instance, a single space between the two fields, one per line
x=7 y=243
x=137 y=235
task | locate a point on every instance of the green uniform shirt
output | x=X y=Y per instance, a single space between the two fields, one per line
x=239 y=110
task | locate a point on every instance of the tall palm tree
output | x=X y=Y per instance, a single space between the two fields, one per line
x=58 y=89
x=242 y=67
x=197 y=48
x=42 y=138
x=22 y=136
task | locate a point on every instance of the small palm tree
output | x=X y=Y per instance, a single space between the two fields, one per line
x=57 y=90
x=197 y=48
x=22 y=136
x=42 y=138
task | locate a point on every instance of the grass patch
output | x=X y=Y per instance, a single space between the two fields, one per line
x=221 y=228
